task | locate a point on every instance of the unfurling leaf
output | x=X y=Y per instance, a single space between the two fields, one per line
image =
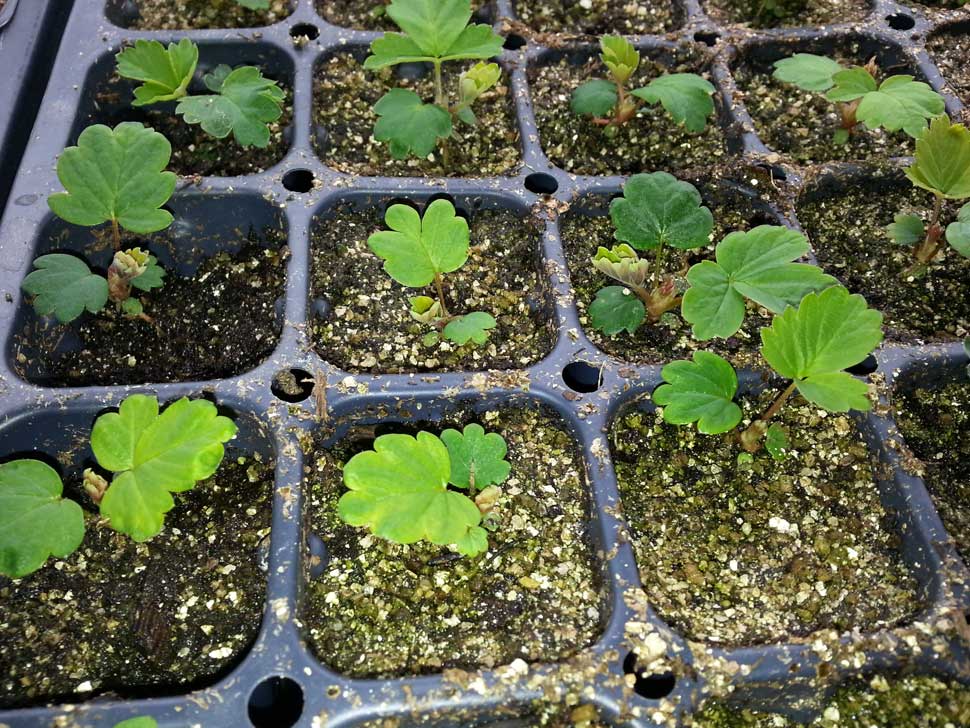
x=165 y=73
x=958 y=233
x=700 y=391
x=615 y=309
x=658 y=209
x=807 y=71
x=757 y=265
x=477 y=80
x=65 y=286
x=942 y=163
x=409 y=125
x=596 y=98
x=35 y=521
x=621 y=263
x=900 y=103
x=152 y=277
x=116 y=174
x=619 y=55
x=425 y=309
x=905 y=229
x=477 y=460
x=469 y=327
x=685 y=96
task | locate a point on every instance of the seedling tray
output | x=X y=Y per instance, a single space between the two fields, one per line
x=279 y=682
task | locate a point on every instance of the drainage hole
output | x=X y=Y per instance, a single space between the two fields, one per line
x=652 y=687
x=277 y=702
x=706 y=37
x=298 y=180
x=864 y=367
x=581 y=376
x=541 y=183
x=513 y=42
x=305 y=30
x=900 y=21
x=292 y=385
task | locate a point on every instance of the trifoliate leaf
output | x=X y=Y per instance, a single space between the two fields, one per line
x=657 y=209
x=619 y=55
x=700 y=391
x=470 y=327
x=615 y=309
x=807 y=71
x=851 y=84
x=905 y=229
x=153 y=277
x=154 y=455
x=756 y=264
x=409 y=125
x=116 y=174
x=900 y=103
x=621 y=263
x=828 y=332
x=399 y=490
x=477 y=460
x=958 y=233
x=776 y=441
x=477 y=80
x=596 y=97
x=392 y=49
x=35 y=521
x=252 y=5
x=475 y=41
x=165 y=73
x=685 y=96
x=65 y=286
x=246 y=103
x=416 y=248
x=942 y=163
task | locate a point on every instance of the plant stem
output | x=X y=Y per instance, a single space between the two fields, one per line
x=751 y=437
x=116 y=234
x=934 y=234
x=441 y=296
x=441 y=102
x=848 y=112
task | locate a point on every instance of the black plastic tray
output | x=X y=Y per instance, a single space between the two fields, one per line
x=279 y=673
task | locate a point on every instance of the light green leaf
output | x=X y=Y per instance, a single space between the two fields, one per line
x=474 y=542
x=851 y=84
x=116 y=174
x=165 y=73
x=776 y=441
x=35 y=521
x=216 y=79
x=619 y=55
x=942 y=163
x=153 y=277
x=615 y=309
x=410 y=125
x=475 y=41
x=807 y=71
x=958 y=233
x=477 y=80
x=905 y=229
x=900 y=103
x=596 y=97
x=828 y=332
x=414 y=249
x=756 y=264
x=470 y=327
x=685 y=96
x=392 y=49
x=477 y=460
x=399 y=490
x=252 y=5
x=65 y=286
x=657 y=209
x=700 y=391
x=145 y=721
x=154 y=455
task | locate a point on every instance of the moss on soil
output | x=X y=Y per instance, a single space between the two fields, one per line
x=343 y=98
x=787 y=13
x=651 y=141
x=218 y=322
x=936 y=424
x=200 y=14
x=740 y=554
x=949 y=50
x=386 y=610
x=371 y=14
x=641 y=17
x=848 y=235
x=153 y=618
x=906 y=702
x=670 y=338
x=370 y=329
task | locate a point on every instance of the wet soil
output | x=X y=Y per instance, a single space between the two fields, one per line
x=949 y=50
x=599 y=17
x=372 y=14
x=201 y=14
x=786 y=13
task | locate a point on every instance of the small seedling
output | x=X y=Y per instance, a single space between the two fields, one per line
x=656 y=210
x=416 y=252
x=152 y=455
x=435 y=32
x=685 y=96
x=942 y=166
x=898 y=103
x=242 y=101
x=399 y=490
x=811 y=345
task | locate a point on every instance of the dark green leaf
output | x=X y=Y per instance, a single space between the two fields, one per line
x=776 y=441
x=685 y=96
x=900 y=103
x=392 y=49
x=905 y=229
x=657 y=209
x=807 y=71
x=165 y=73
x=596 y=97
x=65 y=286
x=433 y=25
x=216 y=79
x=615 y=309
x=477 y=460
x=470 y=327
x=410 y=125
x=700 y=391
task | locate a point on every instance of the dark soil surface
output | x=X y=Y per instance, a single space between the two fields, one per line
x=649 y=142
x=219 y=322
x=786 y=13
x=848 y=234
x=936 y=424
x=670 y=338
x=372 y=14
x=386 y=610
x=935 y=4
x=200 y=14
x=950 y=49
x=599 y=17
x=158 y=617
x=369 y=327
x=344 y=96
x=800 y=124
x=739 y=553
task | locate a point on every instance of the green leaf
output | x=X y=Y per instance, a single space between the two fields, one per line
x=252 y=5
x=776 y=441
x=658 y=209
x=905 y=229
x=153 y=277
x=165 y=73
x=399 y=490
x=851 y=84
x=433 y=25
x=477 y=80
x=757 y=265
x=246 y=103
x=596 y=97
x=619 y=56
x=615 y=309
x=392 y=49
x=942 y=163
x=470 y=327
x=475 y=41
x=415 y=249
x=154 y=455
x=65 y=286
x=685 y=96
x=828 y=332
x=116 y=174
x=145 y=721
x=700 y=391
x=807 y=71
x=410 y=125
x=477 y=460
x=35 y=521
x=216 y=79
x=840 y=136
x=958 y=233
x=900 y=103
